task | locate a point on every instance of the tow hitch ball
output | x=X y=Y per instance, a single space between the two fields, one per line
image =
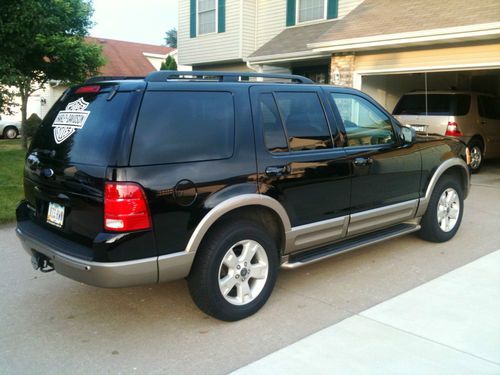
x=41 y=262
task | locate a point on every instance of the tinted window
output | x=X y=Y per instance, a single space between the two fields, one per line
x=437 y=105
x=364 y=123
x=177 y=126
x=489 y=107
x=274 y=135
x=304 y=120
x=82 y=129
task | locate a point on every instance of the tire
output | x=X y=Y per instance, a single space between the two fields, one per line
x=224 y=264
x=444 y=213
x=477 y=155
x=10 y=132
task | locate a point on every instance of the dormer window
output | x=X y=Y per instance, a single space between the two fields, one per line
x=310 y=10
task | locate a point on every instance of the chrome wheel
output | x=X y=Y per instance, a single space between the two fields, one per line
x=448 y=210
x=11 y=133
x=243 y=272
x=476 y=157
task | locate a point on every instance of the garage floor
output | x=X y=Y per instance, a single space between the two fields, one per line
x=52 y=324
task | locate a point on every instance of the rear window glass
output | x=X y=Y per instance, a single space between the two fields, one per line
x=304 y=120
x=82 y=128
x=182 y=126
x=489 y=107
x=437 y=105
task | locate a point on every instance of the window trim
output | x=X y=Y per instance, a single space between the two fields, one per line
x=340 y=120
x=216 y=9
x=297 y=11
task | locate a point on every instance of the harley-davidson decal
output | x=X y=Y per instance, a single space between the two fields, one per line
x=69 y=120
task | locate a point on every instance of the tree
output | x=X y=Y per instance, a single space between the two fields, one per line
x=7 y=101
x=171 y=38
x=42 y=41
x=169 y=64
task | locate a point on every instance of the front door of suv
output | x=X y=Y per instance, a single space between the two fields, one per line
x=385 y=172
x=299 y=164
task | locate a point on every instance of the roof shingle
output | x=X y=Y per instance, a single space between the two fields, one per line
x=127 y=58
x=384 y=17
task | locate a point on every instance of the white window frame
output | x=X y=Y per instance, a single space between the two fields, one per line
x=297 y=10
x=198 y=18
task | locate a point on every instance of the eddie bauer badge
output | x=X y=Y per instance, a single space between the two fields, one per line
x=69 y=120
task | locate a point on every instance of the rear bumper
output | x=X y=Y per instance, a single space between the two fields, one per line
x=109 y=275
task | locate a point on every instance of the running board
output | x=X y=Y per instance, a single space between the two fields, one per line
x=311 y=256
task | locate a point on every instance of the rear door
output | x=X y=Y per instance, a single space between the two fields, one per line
x=489 y=113
x=299 y=163
x=84 y=133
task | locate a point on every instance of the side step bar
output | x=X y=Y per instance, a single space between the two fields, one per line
x=311 y=256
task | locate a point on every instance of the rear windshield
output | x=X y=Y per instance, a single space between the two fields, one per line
x=82 y=128
x=437 y=105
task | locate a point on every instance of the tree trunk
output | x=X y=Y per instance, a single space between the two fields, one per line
x=24 y=93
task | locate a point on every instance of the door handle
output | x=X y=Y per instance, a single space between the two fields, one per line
x=277 y=171
x=363 y=162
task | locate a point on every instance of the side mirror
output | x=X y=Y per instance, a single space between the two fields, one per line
x=408 y=134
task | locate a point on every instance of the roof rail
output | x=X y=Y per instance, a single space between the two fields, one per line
x=111 y=78
x=200 y=75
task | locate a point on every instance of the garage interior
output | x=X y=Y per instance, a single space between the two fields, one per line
x=388 y=88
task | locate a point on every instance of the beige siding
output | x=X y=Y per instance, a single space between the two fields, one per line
x=345 y=6
x=430 y=58
x=249 y=8
x=209 y=47
x=271 y=20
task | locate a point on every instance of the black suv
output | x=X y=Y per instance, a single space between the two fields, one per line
x=224 y=177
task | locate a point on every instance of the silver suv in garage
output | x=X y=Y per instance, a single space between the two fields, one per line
x=472 y=117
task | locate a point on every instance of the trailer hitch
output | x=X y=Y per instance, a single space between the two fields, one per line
x=41 y=262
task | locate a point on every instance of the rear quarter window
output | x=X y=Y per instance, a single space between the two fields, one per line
x=183 y=126
x=433 y=105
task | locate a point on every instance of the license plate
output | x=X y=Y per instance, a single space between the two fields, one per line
x=419 y=128
x=55 y=214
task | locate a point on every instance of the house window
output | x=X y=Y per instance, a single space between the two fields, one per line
x=207 y=16
x=310 y=10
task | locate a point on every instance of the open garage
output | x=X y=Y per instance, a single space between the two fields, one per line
x=388 y=88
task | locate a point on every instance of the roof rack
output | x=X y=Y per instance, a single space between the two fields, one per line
x=110 y=78
x=199 y=75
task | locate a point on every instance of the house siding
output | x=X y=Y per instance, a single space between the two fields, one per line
x=209 y=47
x=249 y=25
x=430 y=58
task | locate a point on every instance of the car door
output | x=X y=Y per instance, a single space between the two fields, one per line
x=489 y=118
x=299 y=163
x=385 y=171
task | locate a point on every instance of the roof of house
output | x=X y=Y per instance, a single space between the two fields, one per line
x=127 y=58
x=385 y=17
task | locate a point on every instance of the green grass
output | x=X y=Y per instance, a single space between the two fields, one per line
x=11 y=178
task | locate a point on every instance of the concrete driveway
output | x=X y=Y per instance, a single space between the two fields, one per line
x=52 y=324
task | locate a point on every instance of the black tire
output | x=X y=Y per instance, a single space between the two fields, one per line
x=477 y=150
x=431 y=229
x=203 y=280
x=10 y=132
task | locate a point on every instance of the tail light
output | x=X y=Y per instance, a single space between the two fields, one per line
x=452 y=130
x=125 y=207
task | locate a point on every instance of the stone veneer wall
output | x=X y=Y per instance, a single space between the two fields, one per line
x=341 y=70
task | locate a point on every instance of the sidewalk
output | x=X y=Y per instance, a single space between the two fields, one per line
x=450 y=325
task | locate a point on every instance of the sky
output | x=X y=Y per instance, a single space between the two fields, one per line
x=143 y=21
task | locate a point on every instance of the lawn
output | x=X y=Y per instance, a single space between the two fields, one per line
x=11 y=182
